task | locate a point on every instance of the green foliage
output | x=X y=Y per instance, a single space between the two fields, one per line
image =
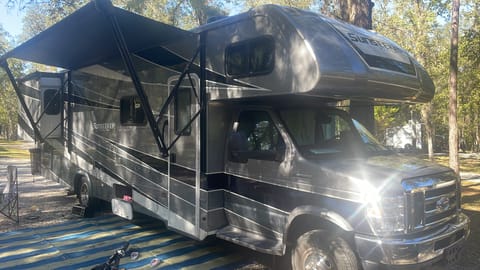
x=390 y=116
x=471 y=47
x=469 y=88
x=8 y=105
x=4 y=43
x=9 y=149
x=414 y=26
x=421 y=27
x=40 y=15
x=181 y=13
x=303 y=4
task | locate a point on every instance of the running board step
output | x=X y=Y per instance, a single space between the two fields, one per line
x=251 y=240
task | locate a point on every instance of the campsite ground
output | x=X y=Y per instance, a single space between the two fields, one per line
x=43 y=202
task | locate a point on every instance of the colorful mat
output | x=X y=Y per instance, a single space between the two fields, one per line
x=84 y=243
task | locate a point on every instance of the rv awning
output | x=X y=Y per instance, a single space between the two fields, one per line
x=86 y=37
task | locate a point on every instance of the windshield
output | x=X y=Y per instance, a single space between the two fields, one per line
x=318 y=131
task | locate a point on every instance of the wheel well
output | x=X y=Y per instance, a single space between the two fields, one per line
x=306 y=222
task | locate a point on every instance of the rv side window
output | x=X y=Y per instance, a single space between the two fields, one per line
x=250 y=58
x=131 y=111
x=183 y=114
x=52 y=101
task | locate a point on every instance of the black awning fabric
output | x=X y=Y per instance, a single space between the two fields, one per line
x=86 y=37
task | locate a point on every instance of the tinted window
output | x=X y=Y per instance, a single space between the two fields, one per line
x=251 y=57
x=318 y=132
x=183 y=114
x=131 y=111
x=260 y=136
x=390 y=64
x=52 y=101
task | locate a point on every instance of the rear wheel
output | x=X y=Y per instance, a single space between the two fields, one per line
x=85 y=196
x=319 y=250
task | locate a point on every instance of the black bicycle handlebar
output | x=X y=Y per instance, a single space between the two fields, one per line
x=114 y=260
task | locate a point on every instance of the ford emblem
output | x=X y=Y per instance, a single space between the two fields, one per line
x=443 y=204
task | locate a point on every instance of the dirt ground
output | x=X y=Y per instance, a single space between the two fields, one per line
x=470 y=255
x=43 y=202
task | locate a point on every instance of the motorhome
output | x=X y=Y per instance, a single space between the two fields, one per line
x=233 y=130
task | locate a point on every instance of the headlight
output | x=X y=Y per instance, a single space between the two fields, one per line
x=386 y=215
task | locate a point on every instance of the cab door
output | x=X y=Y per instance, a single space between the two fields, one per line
x=256 y=159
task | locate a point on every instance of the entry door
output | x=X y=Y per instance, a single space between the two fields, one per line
x=256 y=155
x=184 y=159
x=52 y=107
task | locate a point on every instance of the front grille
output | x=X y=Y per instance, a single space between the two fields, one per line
x=430 y=200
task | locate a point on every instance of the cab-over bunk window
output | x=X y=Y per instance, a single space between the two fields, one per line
x=251 y=57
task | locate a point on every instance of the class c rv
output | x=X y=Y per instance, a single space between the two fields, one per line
x=233 y=130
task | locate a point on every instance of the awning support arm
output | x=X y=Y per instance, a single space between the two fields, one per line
x=5 y=66
x=106 y=7
x=53 y=130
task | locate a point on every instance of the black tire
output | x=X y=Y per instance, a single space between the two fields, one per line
x=283 y=262
x=320 y=250
x=85 y=195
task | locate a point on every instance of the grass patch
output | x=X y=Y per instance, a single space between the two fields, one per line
x=467 y=164
x=13 y=149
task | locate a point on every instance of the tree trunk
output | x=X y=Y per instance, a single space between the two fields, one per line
x=476 y=143
x=452 y=115
x=359 y=13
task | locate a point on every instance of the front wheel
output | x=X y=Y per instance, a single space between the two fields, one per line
x=320 y=251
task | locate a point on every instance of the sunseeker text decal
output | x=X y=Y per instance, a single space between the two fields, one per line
x=357 y=38
x=104 y=126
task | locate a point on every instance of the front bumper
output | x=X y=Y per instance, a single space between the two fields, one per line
x=409 y=253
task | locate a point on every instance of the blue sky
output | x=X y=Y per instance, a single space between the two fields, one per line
x=10 y=19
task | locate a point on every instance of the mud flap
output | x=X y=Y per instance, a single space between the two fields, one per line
x=122 y=208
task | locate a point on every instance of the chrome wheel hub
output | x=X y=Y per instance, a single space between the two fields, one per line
x=318 y=260
x=84 y=195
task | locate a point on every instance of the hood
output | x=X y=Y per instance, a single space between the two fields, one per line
x=384 y=173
